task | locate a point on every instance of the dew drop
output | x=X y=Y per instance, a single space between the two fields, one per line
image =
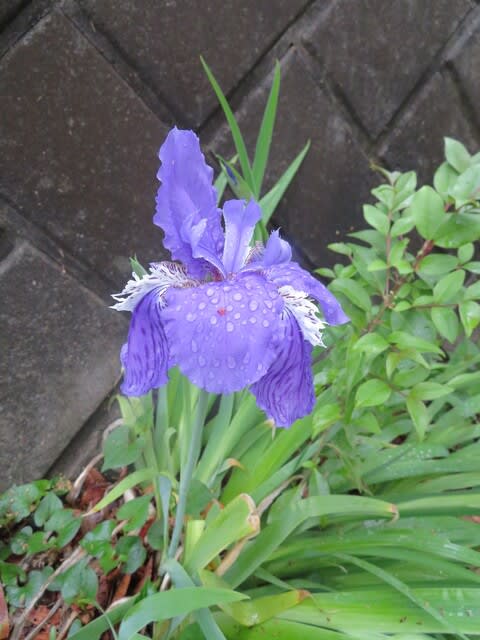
x=266 y=323
x=268 y=304
x=179 y=307
x=201 y=361
x=210 y=292
x=202 y=306
x=191 y=317
x=231 y=362
x=259 y=367
x=253 y=305
x=214 y=300
x=226 y=288
x=246 y=358
x=272 y=294
x=213 y=320
x=253 y=320
x=211 y=375
x=230 y=327
x=216 y=363
x=237 y=296
x=236 y=316
x=229 y=307
x=194 y=346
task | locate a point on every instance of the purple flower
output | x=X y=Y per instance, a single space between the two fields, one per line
x=228 y=315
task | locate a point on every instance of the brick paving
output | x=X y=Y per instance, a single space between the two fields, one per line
x=88 y=90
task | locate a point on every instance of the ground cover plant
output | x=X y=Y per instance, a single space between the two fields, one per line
x=359 y=521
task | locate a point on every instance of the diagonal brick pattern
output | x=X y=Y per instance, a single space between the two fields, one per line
x=89 y=90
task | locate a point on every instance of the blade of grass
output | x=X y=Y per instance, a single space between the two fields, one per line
x=262 y=148
x=234 y=128
x=295 y=515
x=270 y=200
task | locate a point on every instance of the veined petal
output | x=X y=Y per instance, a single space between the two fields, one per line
x=162 y=275
x=240 y=220
x=224 y=335
x=286 y=392
x=293 y=275
x=186 y=197
x=145 y=355
x=305 y=313
x=277 y=251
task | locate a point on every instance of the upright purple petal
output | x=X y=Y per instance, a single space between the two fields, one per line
x=240 y=220
x=224 y=335
x=145 y=354
x=286 y=392
x=292 y=274
x=185 y=198
x=277 y=251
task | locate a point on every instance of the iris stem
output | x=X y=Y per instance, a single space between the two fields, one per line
x=152 y=462
x=186 y=472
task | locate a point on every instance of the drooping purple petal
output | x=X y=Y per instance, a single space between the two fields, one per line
x=224 y=335
x=185 y=197
x=286 y=392
x=292 y=274
x=145 y=354
x=240 y=220
x=277 y=251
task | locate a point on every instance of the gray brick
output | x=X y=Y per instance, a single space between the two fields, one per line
x=8 y=8
x=417 y=141
x=78 y=148
x=164 y=40
x=324 y=201
x=376 y=51
x=59 y=346
x=467 y=65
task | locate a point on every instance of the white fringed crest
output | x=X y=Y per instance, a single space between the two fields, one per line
x=305 y=313
x=162 y=276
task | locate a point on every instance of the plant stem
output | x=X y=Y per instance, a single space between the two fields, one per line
x=152 y=462
x=186 y=472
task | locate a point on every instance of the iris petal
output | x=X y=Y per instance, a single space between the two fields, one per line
x=224 y=335
x=145 y=355
x=240 y=221
x=293 y=275
x=185 y=198
x=286 y=392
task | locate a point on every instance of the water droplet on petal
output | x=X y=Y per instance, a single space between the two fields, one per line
x=229 y=307
x=216 y=363
x=236 y=316
x=213 y=320
x=202 y=306
x=194 y=346
x=266 y=323
x=226 y=288
x=231 y=362
x=201 y=361
x=268 y=304
x=273 y=295
x=210 y=292
x=237 y=296
x=230 y=327
x=191 y=317
x=253 y=320
x=253 y=305
x=214 y=300
x=246 y=358
x=178 y=307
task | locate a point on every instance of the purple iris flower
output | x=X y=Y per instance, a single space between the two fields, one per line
x=227 y=314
